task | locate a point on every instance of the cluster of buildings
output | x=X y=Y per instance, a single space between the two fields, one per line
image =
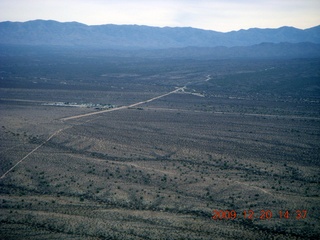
x=83 y=105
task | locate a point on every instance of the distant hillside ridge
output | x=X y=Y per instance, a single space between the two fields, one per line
x=110 y=36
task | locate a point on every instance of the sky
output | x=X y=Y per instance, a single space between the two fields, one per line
x=218 y=15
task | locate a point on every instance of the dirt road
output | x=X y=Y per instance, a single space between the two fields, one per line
x=85 y=115
x=122 y=107
x=35 y=149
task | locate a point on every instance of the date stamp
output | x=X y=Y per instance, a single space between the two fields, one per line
x=262 y=214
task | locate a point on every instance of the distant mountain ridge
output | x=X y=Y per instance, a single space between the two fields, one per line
x=49 y=32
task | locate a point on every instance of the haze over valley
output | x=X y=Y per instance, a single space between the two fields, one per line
x=137 y=132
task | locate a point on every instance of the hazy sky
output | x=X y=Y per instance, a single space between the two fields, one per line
x=220 y=15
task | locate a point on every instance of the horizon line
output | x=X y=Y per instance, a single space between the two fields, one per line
x=143 y=25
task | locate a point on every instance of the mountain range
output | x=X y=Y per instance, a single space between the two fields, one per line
x=49 y=32
x=44 y=36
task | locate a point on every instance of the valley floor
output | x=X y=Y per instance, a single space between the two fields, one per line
x=193 y=164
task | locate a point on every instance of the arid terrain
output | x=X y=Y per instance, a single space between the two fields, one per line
x=185 y=141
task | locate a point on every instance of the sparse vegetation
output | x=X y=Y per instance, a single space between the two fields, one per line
x=159 y=170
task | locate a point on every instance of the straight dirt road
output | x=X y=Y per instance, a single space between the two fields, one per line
x=122 y=107
x=35 y=149
x=86 y=115
x=96 y=113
